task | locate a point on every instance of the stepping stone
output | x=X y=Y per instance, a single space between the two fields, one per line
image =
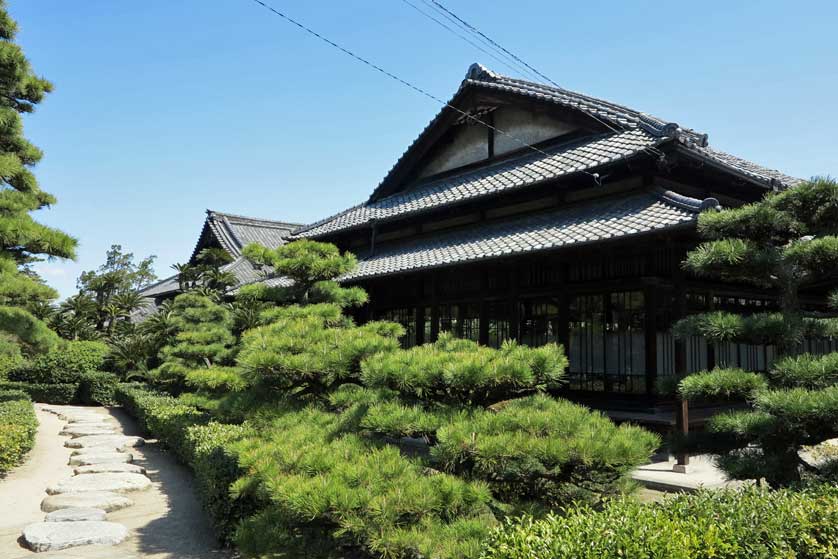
x=110 y=481
x=98 y=420
x=75 y=514
x=105 y=468
x=112 y=441
x=52 y=536
x=75 y=432
x=105 y=500
x=110 y=457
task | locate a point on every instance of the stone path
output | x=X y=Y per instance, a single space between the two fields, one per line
x=92 y=489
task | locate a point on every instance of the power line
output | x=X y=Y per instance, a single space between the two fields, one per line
x=406 y=83
x=492 y=42
x=494 y=52
x=469 y=27
x=461 y=36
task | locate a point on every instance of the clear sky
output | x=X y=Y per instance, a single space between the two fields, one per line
x=163 y=109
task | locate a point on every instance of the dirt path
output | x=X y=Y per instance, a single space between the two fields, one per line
x=165 y=522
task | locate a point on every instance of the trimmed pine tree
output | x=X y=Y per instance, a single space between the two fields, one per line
x=786 y=242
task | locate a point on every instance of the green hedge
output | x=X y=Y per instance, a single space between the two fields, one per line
x=68 y=364
x=200 y=444
x=754 y=523
x=98 y=388
x=46 y=393
x=17 y=428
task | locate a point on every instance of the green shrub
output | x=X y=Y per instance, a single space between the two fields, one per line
x=59 y=394
x=67 y=364
x=162 y=416
x=98 y=388
x=326 y=484
x=542 y=449
x=721 y=385
x=806 y=371
x=216 y=468
x=18 y=426
x=204 y=447
x=10 y=355
x=461 y=372
x=753 y=523
x=311 y=349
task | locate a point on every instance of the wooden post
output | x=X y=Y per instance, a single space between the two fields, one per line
x=682 y=408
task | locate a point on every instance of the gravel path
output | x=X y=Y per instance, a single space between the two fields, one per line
x=163 y=521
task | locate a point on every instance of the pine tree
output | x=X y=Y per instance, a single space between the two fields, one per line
x=313 y=268
x=784 y=243
x=202 y=338
x=22 y=239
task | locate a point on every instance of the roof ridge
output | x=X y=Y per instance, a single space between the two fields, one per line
x=481 y=74
x=213 y=213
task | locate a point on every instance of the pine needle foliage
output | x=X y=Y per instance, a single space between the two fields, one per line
x=785 y=242
x=323 y=482
x=203 y=338
x=461 y=372
x=542 y=449
x=313 y=268
x=22 y=239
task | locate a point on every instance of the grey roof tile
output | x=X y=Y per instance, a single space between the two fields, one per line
x=589 y=222
x=234 y=232
x=633 y=132
x=502 y=176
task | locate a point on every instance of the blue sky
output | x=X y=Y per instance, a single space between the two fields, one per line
x=162 y=109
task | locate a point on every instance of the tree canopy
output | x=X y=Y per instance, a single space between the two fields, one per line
x=786 y=242
x=22 y=239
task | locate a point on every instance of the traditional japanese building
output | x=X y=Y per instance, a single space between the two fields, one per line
x=230 y=233
x=529 y=212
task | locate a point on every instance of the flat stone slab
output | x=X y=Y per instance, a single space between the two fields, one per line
x=92 y=420
x=75 y=432
x=75 y=514
x=118 y=482
x=108 y=501
x=112 y=441
x=52 y=536
x=118 y=467
x=109 y=457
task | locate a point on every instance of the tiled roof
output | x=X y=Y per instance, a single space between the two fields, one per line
x=633 y=132
x=622 y=118
x=235 y=231
x=513 y=173
x=162 y=287
x=599 y=220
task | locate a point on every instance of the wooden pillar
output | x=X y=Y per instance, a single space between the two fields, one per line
x=434 y=309
x=682 y=409
x=651 y=338
x=419 y=310
x=514 y=318
x=483 y=334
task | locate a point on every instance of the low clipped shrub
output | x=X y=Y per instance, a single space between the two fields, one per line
x=752 y=523
x=162 y=416
x=67 y=364
x=216 y=468
x=542 y=449
x=64 y=393
x=721 y=385
x=202 y=445
x=98 y=387
x=18 y=426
